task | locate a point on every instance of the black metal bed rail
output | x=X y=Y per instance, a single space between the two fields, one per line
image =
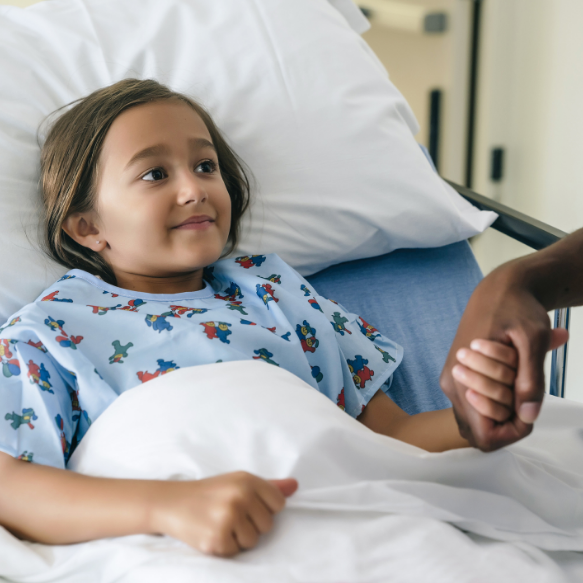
x=537 y=235
x=519 y=226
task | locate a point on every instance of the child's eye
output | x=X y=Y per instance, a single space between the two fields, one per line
x=154 y=175
x=208 y=166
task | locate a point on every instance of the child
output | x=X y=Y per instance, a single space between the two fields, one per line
x=141 y=196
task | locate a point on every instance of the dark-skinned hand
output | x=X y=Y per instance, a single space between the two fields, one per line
x=502 y=310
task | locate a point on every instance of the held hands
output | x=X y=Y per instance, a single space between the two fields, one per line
x=488 y=370
x=502 y=309
x=222 y=515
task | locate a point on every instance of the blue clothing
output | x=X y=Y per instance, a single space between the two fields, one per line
x=67 y=356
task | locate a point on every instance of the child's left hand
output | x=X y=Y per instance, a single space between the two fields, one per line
x=488 y=369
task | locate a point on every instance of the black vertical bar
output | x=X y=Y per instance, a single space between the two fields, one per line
x=497 y=169
x=473 y=93
x=434 y=125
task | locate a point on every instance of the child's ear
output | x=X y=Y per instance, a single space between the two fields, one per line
x=82 y=228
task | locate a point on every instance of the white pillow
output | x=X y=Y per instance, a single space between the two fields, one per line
x=297 y=92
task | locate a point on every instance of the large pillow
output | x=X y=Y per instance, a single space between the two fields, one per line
x=297 y=92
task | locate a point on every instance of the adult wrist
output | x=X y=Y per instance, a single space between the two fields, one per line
x=554 y=276
x=534 y=274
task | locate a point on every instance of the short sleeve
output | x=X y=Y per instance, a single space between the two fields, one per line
x=39 y=411
x=367 y=358
x=370 y=357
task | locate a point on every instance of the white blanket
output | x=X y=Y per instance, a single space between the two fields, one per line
x=369 y=508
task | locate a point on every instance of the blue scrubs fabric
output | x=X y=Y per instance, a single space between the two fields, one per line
x=68 y=356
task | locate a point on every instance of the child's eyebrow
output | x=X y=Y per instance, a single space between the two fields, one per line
x=161 y=149
x=200 y=143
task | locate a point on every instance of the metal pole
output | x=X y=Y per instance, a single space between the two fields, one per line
x=559 y=356
x=473 y=91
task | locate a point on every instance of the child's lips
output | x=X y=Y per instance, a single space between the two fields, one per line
x=196 y=222
x=200 y=226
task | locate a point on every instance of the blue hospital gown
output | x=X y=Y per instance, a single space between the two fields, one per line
x=67 y=356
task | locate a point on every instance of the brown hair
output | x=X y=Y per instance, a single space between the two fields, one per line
x=71 y=153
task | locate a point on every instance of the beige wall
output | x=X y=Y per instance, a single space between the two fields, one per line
x=530 y=94
x=418 y=63
x=530 y=102
x=19 y=3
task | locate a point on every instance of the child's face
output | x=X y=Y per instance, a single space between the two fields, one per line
x=158 y=169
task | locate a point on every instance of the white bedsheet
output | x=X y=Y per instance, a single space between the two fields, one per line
x=369 y=508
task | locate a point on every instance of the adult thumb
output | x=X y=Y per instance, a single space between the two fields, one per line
x=287 y=486
x=558 y=337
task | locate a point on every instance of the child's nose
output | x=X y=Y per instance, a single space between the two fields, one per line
x=191 y=189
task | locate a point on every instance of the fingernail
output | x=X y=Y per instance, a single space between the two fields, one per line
x=475 y=345
x=462 y=353
x=528 y=412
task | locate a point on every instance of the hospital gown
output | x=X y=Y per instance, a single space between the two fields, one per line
x=66 y=357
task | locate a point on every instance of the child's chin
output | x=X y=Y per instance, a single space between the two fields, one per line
x=201 y=258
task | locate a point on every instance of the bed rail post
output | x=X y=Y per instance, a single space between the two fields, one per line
x=559 y=356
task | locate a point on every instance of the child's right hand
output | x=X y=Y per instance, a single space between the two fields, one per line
x=488 y=369
x=222 y=515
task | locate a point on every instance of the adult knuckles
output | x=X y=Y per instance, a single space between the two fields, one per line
x=467 y=433
x=500 y=414
x=487 y=445
x=487 y=442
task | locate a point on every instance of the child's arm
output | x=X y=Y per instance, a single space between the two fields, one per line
x=433 y=431
x=221 y=515
x=488 y=371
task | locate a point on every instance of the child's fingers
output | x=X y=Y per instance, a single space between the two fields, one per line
x=246 y=533
x=497 y=351
x=260 y=515
x=485 y=365
x=270 y=491
x=487 y=407
x=287 y=486
x=484 y=385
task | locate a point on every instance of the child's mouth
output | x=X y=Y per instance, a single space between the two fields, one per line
x=203 y=225
x=196 y=223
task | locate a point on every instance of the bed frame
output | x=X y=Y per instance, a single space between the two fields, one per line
x=537 y=235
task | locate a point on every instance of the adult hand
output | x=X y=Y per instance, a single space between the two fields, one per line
x=503 y=309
